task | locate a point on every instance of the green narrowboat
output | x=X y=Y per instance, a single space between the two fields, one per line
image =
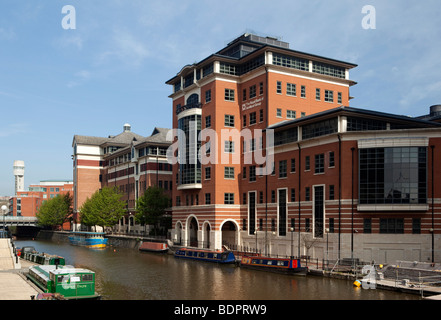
x=67 y=281
x=43 y=258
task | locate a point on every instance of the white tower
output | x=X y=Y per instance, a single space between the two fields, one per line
x=19 y=175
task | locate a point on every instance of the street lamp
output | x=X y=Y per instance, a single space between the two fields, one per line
x=292 y=243
x=4 y=208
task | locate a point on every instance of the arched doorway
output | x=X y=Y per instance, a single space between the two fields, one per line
x=206 y=229
x=178 y=233
x=229 y=234
x=193 y=232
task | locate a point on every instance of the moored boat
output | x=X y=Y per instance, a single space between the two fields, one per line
x=41 y=257
x=67 y=281
x=94 y=240
x=223 y=257
x=279 y=265
x=148 y=246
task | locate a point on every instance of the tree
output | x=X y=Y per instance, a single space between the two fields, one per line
x=56 y=211
x=151 y=206
x=104 y=208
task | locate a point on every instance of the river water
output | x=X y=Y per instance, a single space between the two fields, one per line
x=127 y=274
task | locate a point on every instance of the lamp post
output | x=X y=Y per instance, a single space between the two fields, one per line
x=255 y=232
x=4 y=208
x=292 y=243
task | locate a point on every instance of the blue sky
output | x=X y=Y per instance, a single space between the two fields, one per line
x=111 y=69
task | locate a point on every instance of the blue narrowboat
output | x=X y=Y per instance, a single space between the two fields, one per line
x=94 y=240
x=286 y=266
x=223 y=257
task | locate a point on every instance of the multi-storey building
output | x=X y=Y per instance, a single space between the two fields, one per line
x=27 y=203
x=127 y=161
x=307 y=191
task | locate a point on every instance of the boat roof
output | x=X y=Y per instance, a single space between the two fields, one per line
x=89 y=232
x=67 y=269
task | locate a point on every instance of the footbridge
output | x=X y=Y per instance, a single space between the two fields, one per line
x=18 y=221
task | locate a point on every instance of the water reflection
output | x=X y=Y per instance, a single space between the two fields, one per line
x=126 y=274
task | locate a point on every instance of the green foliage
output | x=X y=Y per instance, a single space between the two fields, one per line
x=104 y=208
x=151 y=206
x=55 y=211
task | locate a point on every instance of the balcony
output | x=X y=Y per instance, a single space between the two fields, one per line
x=180 y=108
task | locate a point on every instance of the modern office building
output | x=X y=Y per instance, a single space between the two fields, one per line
x=271 y=156
x=27 y=203
x=127 y=161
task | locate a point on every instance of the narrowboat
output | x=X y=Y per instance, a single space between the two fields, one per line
x=42 y=258
x=287 y=266
x=153 y=247
x=67 y=281
x=223 y=257
x=94 y=240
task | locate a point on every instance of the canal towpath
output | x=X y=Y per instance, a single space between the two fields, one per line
x=12 y=285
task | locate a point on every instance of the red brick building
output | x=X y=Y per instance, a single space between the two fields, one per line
x=127 y=161
x=318 y=198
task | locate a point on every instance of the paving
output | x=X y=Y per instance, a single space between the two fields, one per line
x=13 y=286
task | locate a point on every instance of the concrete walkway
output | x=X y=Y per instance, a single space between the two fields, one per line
x=13 y=286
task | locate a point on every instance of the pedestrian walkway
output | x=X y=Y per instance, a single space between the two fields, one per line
x=13 y=286
x=6 y=258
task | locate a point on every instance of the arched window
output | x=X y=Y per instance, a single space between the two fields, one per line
x=193 y=99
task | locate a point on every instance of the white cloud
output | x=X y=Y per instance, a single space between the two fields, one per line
x=13 y=129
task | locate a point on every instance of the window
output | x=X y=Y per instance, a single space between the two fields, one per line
x=207 y=173
x=293 y=195
x=252 y=144
x=208 y=96
x=319 y=128
x=319 y=166
x=279 y=87
x=392 y=225
x=261 y=88
x=282 y=168
x=252 y=173
x=329 y=96
x=252 y=118
x=290 y=114
x=307 y=163
x=260 y=197
x=252 y=91
x=208 y=198
x=331 y=192
x=244 y=94
x=317 y=94
x=416 y=225
x=307 y=225
x=307 y=194
x=229 y=120
x=229 y=172
x=396 y=175
x=207 y=121
x=244 y=198
x=244 y=120
x=293 y=165
x=290 y=62
x=279 y=113
x=244 y=172
x=303 y=92
x=229 y=147
x=178 y=200
x=228 y=198
x=331 y=159
x=261 y=115
x=229 y=94
x=327 y=69
x=291 y=89
x=367 y=225
x=331 y=225
x=273 y=196
x=339 y=97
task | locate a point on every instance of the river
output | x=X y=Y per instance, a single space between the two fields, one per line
x=126 y=274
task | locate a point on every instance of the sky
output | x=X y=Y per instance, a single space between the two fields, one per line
x=102 y=63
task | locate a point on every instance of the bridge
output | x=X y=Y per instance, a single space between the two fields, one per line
x=18 y=221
